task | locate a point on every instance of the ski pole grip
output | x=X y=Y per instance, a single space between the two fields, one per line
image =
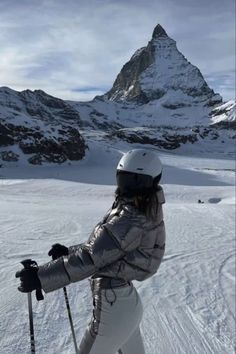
x=27 y=264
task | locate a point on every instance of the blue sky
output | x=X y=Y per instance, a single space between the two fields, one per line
x=74 y=49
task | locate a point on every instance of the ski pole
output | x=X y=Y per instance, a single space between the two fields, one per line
x=69 y=316
x=27 y=264
x=70 y=319
x=31 y=322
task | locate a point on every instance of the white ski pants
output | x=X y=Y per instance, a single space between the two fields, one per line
x=115 y=324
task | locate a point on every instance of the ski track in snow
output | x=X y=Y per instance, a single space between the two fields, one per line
x=189 y=305
x=192 y=311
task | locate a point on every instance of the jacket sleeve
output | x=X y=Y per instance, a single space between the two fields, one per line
x=108 y=243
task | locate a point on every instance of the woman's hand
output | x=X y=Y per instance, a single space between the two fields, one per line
x=29 y=280
x=58 y=251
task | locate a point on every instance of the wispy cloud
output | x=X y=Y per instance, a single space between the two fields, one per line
x=75 y=49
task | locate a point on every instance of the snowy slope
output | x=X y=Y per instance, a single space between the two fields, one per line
x=189 y=304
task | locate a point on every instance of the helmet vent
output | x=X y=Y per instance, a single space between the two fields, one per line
x=139 y=169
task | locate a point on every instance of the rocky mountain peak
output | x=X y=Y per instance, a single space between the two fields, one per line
x=159 y=32
x=159 y=72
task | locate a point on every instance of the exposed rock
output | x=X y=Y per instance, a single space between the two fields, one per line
x=166 y=140
x=36 y=159
x=175 y=106
x=159 y=32
x=39 y=158
x=9 y=156
x=226 y=125
x=5 y=136
x=53 y=145
x=157 y=69
x=39 y=105
x=126 y=85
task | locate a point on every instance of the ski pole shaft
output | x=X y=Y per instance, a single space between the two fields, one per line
x=28 y=264
x=31 y=322
x=70 y=318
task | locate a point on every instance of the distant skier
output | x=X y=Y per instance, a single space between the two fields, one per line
x=128 y=244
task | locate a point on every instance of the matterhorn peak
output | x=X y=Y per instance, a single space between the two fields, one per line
x=159 y=32
x=159 y=72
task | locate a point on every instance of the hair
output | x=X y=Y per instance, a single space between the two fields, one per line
x=146 y=201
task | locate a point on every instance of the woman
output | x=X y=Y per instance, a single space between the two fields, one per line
x=128 y=244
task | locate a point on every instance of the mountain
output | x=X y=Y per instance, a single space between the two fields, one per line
x=160 y=70
x=36 y=127
x=158 y=99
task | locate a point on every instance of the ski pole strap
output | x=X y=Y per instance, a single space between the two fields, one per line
x=39 y=295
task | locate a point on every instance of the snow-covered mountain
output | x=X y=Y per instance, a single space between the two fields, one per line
x=36 y=127
x=159 y=70
x=158 y=98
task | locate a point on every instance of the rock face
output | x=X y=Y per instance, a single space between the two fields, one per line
x=171 y=139
x=37 y=126
x=36 y=104
x=157 y=70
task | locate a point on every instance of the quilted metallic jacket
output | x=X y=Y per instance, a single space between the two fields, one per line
x=124 y=245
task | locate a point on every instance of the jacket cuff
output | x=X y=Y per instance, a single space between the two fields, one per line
x=53 y=275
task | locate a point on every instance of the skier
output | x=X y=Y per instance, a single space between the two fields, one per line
x=128 y=244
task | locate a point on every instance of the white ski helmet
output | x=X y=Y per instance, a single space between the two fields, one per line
x=138 y=169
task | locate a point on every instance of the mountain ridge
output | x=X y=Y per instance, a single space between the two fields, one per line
x=176 y=109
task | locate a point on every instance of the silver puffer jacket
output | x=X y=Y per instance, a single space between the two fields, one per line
x=124 y=245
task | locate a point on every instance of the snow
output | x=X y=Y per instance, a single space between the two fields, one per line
x=170 y=69
x=177 y=92
x=175 y=108
x=189 y=304
x=224 y=112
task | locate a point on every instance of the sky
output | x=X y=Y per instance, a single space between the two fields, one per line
x=74 y=49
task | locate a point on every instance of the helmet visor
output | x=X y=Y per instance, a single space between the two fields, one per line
x=133 y=182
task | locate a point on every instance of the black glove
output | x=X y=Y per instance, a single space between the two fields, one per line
x=58 y=251
x=29 y=280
